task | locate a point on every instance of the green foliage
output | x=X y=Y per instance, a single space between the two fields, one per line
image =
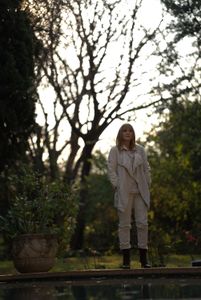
x=37 y=206
x=101 y=218
x=180 y=63
x=17 y=88
x=176 y=185
x=187 y=19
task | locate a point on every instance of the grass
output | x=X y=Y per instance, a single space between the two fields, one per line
x=6 y=267
x=102 y=262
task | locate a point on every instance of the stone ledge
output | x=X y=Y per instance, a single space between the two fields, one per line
x=104 y=274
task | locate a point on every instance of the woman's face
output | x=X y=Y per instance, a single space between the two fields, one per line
x=127 y=134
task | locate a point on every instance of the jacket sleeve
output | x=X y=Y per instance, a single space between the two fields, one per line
x=147 y=168
x=112 y=166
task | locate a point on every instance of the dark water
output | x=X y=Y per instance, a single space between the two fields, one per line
x=124 y=289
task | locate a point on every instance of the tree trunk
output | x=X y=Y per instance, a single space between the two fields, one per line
x=77 y=240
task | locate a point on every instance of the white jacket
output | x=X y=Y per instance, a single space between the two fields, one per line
x=118 y=169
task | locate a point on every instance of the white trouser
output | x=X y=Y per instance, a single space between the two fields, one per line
x=140 y=212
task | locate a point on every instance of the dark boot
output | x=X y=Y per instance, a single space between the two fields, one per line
x=143 y=258
x=126 y=259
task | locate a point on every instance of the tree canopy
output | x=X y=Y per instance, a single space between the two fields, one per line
x=179 y=68
x=17 y=90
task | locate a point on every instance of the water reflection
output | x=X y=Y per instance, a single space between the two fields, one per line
x=104 y=290
x=30 y=293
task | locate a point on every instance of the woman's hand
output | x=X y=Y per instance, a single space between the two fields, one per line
x=114 y=188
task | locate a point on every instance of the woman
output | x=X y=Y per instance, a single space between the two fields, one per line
x=129 y=174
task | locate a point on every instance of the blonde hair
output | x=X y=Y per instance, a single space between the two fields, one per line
x=119 y=138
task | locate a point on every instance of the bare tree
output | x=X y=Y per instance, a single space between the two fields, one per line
x=91 y=54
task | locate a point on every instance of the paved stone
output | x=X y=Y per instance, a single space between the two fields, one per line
x=106 y=273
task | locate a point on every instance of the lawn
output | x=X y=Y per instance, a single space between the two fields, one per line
x=101 y=262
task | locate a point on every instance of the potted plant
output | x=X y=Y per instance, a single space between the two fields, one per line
x=40 y=218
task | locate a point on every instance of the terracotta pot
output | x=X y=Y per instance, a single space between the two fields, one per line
x=34 y=252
